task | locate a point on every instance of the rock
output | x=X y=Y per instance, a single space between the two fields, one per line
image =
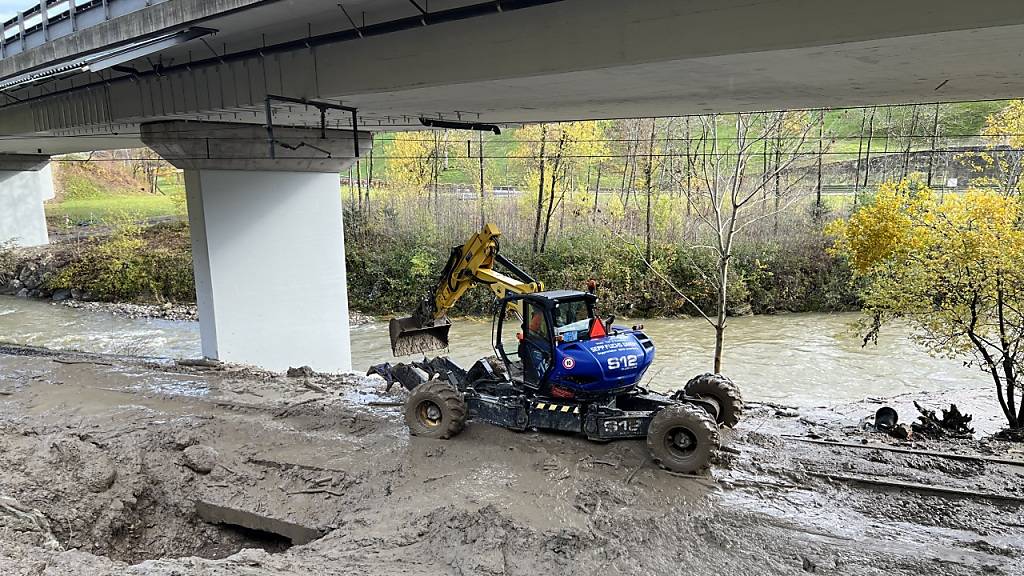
x=902 y=431
x=61 y=295
x=302 y=372
x=200 y=459
x=93 y=468
x=23 y=293
x=185 y=439
x=25 y=275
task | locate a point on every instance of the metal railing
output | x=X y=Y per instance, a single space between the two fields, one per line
x=51 y=19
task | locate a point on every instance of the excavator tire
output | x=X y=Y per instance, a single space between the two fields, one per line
x=721 y=390
x=683 y=438
x=435 y=410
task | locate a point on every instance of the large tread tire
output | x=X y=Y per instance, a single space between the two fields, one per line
x=724 y=391
x=435 y=410
x=701 y=431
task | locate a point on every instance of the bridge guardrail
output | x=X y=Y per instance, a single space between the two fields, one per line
x=51 y=19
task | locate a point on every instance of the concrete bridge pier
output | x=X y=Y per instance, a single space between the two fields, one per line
x=26 y=181
x=267 y=240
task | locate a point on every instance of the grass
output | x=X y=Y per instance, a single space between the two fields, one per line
x=107 y=208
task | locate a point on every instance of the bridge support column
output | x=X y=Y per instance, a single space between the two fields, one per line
x=26 y=181
x=267 y=241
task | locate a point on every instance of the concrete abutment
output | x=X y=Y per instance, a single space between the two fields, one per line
x=26 y=181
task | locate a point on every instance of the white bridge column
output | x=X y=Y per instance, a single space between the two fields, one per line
x=26 y=181
x=268 y=243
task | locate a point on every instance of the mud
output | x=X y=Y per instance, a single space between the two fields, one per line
x=112 y=466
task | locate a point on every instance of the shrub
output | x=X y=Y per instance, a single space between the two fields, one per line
x=133 y=263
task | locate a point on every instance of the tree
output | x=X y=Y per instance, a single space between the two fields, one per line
x=411 y=159
x=1002 y=163
x=729 y=187
x=951 y=267
x=553 y=153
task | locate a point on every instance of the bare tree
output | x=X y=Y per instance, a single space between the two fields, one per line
x=729 y=194
x=540 y=189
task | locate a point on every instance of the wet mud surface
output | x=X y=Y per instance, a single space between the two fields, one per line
x=116 y=466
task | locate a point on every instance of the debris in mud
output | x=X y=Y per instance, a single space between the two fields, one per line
x=232 y=516
x=886 y=419
x=953 y=423
x=28 y=522
x=301 y=372
x=902 y=432
x=1010 y=435
x=85 y=461
x=200 y=459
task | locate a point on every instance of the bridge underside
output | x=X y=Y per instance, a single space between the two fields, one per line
x=563 y=60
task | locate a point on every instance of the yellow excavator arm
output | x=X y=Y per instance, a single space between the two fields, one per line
x=469 y=264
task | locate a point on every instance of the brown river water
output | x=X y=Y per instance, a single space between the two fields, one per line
x=796 y=359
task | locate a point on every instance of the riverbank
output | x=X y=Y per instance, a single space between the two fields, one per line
x=146 y=264
x=152 y=466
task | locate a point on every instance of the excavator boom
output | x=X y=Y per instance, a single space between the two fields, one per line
x=469 y=264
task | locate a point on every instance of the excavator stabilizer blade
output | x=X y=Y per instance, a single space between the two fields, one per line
x=409 y=337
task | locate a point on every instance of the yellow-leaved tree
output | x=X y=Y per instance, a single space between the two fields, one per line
x=552 y=154
x=413 y=158
x=1001 y=165
x=951 y=267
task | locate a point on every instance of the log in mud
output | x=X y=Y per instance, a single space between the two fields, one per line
x=120 y=466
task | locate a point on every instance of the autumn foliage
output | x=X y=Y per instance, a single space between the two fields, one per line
x=949 y=265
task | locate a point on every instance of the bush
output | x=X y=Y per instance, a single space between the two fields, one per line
x=390 y=269
x=136 y=264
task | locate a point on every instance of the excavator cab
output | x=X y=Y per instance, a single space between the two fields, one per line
x=549 y=347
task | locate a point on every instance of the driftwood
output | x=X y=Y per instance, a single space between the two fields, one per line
x=635 y=470
x=928 y=488
x=287 y=408
x=316 y=491
x=73 y=362
x=696 y=477
x=953 y=423
x=947 y=455
x=313 y=387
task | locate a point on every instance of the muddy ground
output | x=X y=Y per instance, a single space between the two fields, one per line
x=115 y=466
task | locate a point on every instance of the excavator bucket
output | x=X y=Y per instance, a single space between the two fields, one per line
x=410 y=336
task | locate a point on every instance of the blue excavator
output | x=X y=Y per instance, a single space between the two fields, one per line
x=557 y=365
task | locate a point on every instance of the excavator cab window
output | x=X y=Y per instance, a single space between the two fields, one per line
x=573 y=319
x=535 y=347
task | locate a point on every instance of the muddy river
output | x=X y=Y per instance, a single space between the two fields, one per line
x=798 y=359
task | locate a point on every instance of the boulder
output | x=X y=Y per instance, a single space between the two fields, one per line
x=200 y=459
x=61 y=295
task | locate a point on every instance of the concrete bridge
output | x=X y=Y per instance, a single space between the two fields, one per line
x=191 y=79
